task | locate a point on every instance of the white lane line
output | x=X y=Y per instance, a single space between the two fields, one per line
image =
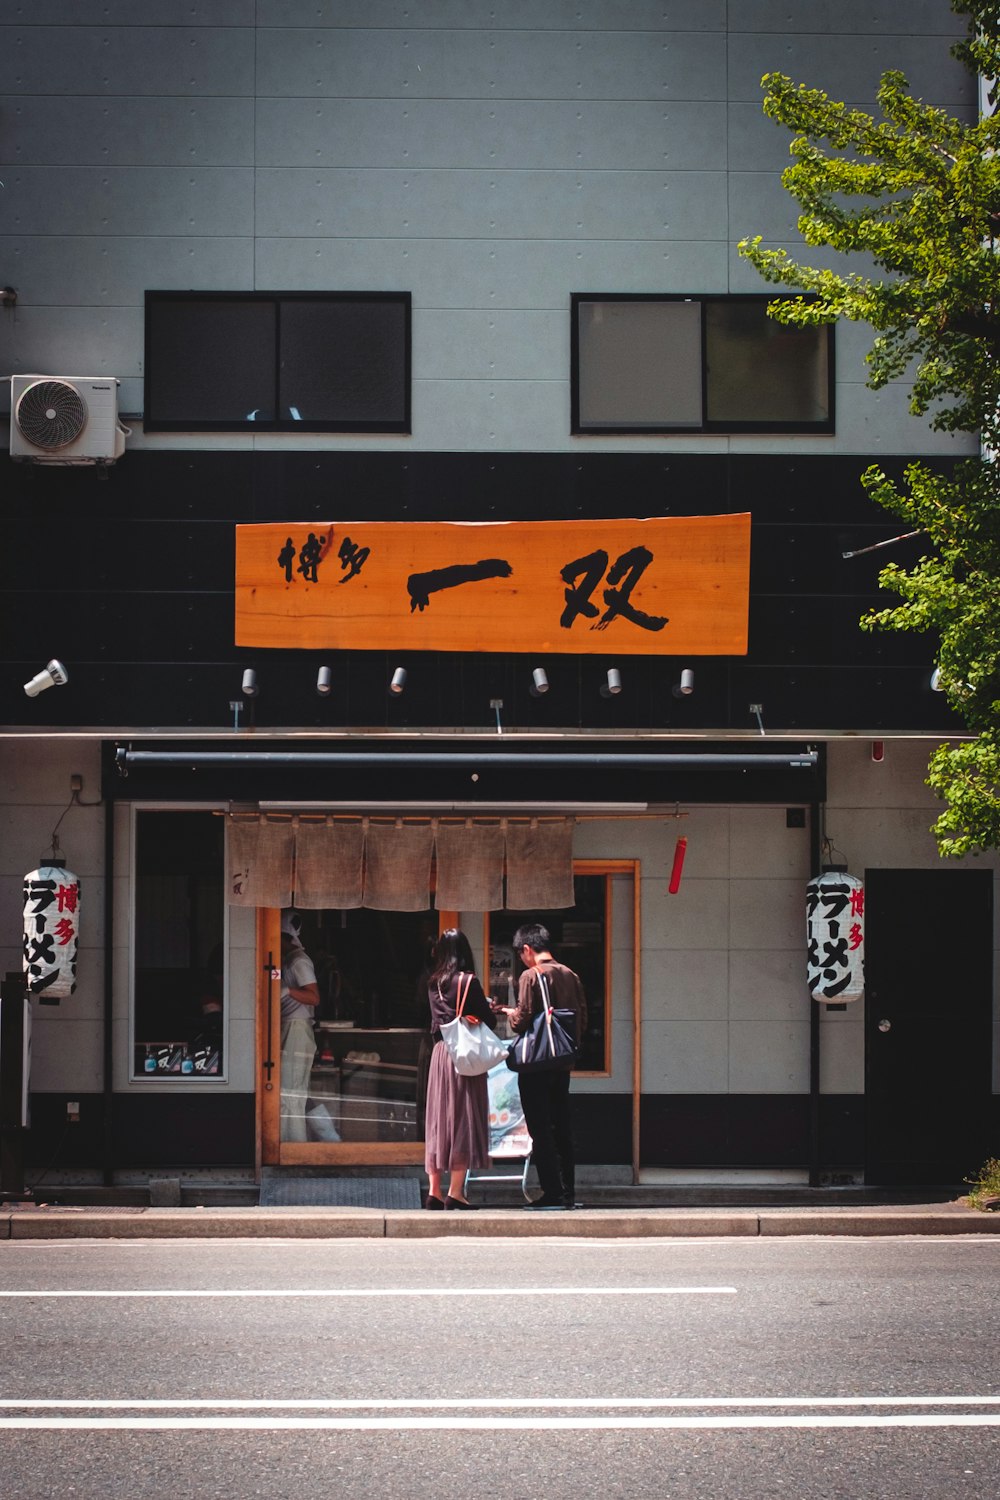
x=487 y=1403
x=494 y=1425
x=414 y=1291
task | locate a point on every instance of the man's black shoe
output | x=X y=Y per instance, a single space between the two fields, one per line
x=543 y=1202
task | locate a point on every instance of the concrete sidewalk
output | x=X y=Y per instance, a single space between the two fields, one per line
x=37 y=1222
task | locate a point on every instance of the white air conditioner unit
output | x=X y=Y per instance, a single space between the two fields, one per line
x=65 y=419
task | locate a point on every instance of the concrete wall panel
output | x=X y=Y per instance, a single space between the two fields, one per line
x=530 y=64
x=130 y=200
x=88 y=272
x=517 y=15
x=769 y=1057
x=78 y=341
x=685 y=1057
x=845 y=66
x=112 y=60
x=147 y=132
x=491 y=134
x=492 y=272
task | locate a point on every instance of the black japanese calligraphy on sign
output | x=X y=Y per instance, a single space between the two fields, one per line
x=353 y=558
x=626 y=571
x=310 y=555
x=420 y=586
x=835 y=937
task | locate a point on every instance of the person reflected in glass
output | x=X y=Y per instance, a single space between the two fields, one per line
x=299 y=999
x=457 y=1126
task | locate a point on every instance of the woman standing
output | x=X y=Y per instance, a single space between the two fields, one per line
x=457 y=1131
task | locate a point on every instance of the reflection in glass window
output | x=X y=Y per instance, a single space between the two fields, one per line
x=647 y=363
x=179 y=990
x=580 y=938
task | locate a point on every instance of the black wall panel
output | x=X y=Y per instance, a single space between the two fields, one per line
x=130 y=580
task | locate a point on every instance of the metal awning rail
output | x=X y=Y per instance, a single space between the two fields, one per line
x=125 y=758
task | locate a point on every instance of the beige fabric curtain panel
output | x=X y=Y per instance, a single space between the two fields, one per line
x=329 y=864
x=469 y=867
x=337 y=864
x=398 y=867
x=261 y=860
x=540 y=866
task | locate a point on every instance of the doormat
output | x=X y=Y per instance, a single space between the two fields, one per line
x=340 y=1192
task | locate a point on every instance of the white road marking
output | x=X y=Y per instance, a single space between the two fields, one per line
x=483 y=1403
x=415 y=1291
x=496 y=1424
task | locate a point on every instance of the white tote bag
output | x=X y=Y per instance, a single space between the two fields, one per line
x=473 y=1049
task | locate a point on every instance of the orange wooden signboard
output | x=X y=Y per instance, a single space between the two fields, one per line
x=657 y=587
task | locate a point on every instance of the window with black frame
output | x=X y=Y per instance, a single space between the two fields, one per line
x=277 y=362
x=179 y=988
x=646 y=363
x=581 y=940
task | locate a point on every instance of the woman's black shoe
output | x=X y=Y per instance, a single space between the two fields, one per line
x=431 y=1202
x=451 y=1202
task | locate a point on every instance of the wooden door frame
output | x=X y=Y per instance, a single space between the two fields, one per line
x=270 y=1149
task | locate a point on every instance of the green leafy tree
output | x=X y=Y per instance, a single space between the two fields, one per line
x=917 y=194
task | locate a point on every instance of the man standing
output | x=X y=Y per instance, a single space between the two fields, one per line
x=545 y=1095
x=299 y=999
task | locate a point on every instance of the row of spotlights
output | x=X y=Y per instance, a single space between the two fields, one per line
x=324 y=682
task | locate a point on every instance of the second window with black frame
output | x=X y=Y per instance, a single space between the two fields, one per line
x=650 y=364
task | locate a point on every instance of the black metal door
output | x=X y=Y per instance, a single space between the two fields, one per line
x=928 y=1055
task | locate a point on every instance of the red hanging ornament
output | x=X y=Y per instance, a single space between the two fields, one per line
x=680 y=850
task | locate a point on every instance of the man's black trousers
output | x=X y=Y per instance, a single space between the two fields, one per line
x=545 y=1100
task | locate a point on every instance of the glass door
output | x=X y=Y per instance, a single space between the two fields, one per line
x=344 y=1079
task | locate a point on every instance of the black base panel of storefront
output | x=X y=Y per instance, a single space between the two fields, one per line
x=148 y=1130
x=748 y=1130
x=677 y=1130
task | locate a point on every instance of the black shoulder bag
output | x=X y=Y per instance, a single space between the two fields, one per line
x=550 y=1046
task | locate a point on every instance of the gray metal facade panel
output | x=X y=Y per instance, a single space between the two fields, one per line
x=77 y=341
x=146 y=132
x=518 y=15
x=543 y=205
x=491 y=133
x=506 y=415
x=485 y=344
x=493 y=273
x=130 y=200
x=187 y=13
x=114 y=60
x=845 y=66
x=101 y=270
x=857 y=17
x=481 y=65
x=758 y=204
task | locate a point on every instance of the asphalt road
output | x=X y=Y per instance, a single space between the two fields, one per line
x=501 y=1368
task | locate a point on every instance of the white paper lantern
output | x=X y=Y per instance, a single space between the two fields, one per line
x=835 y=937
x=51 y=931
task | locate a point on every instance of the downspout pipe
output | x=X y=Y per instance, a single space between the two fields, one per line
x=815 y=1151
x=108 y=1051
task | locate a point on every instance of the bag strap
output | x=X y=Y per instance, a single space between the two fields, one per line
x=463 y=993
x=543 y=986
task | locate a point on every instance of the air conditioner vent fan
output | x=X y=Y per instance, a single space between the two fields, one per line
x=51 y=413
